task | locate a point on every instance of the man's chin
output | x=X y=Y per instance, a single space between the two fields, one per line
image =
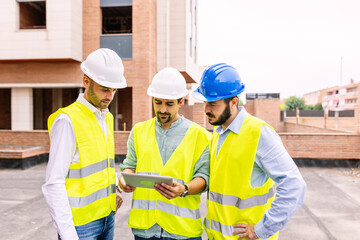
x=103 y=106
x=214 y=123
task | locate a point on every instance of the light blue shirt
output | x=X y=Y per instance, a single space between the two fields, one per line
x=271 y=160
x=167 y=140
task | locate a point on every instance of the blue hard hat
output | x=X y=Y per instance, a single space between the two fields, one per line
x=219 y=81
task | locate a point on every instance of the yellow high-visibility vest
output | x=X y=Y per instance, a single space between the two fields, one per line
x=232 y=200
x=179 y=216
x=90 y=184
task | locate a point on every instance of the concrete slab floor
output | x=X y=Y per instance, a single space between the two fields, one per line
x=331 y=209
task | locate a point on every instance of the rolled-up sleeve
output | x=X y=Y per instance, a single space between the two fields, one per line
x=130 y=161
x=202 y=167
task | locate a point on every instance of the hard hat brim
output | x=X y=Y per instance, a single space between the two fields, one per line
x=199 y=96
x=165 y=96
x=196 y=94
x=122 y=84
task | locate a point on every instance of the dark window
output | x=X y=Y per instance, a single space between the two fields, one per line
x=116 y=20
x=5 y=108
x=32 y=15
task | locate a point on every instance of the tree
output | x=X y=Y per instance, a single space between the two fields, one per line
x=318 y=107
x=293 y=102
x=308 y=107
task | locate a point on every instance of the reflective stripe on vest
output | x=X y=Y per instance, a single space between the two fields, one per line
x=178 y=211
x=242 y=203
x=166 y=207
x=91 y=169
x=225 y=230
x=143 y=204
x=83 y=201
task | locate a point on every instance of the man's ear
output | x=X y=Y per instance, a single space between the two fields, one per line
x=182 y=101
x=86 y=81
x=235 y=101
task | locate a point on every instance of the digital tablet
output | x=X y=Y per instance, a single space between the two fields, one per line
x=145 y=181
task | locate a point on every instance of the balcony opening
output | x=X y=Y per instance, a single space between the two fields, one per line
x=121 y=108
x=5 y=109
x=48 y=100
x=32 y=15
x=117 y=20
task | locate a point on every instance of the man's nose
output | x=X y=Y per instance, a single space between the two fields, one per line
x=162 y=108
x=110 y=95
x=207 y=108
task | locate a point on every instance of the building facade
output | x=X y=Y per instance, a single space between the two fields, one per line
x=42 y=44
x=344 y=97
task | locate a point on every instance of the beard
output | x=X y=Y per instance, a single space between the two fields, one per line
x=159 y=115
x=94 y=100
x=224 y=116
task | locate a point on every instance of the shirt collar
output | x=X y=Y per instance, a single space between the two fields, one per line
x=93 y=109
x=236 y=124
x=173 y=125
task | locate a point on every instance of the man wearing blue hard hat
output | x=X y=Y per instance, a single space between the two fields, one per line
x=247 y=157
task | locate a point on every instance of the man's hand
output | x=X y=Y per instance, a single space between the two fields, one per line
x=124 y=187
x=244 y=230
x=169 y=191
x=119 y=200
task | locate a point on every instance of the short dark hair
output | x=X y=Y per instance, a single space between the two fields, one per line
x=227 y=100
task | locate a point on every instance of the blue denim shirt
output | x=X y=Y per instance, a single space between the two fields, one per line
x=271 y=160
x=167 y=141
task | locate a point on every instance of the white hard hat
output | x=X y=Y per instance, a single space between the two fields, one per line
x=105 y=67
x=168 y=84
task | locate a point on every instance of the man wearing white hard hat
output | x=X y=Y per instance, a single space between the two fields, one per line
x=168 y=145
x=80 y=188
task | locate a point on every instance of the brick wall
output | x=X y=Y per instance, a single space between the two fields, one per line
x=322 y=146
x=121 y=139
x=301 y=128
x=198 y=114
x=299 y=145
x=249 y=106
x=41 y=138
x=40 y=72
x=140 y=70
x=341 y=123
x=267 y=109
x=26 y=138
x=187 y=111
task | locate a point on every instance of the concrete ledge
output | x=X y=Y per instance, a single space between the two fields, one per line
x=14 y=158
x=23 y=163
x=17 y=151
x=327 y=163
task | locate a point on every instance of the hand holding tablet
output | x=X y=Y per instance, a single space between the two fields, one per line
x=144 y=180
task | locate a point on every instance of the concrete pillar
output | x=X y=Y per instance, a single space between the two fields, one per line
x=22 y=109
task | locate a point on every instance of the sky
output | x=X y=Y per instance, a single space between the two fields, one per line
x=282 y=46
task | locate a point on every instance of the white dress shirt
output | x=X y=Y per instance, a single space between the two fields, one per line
x=63 y=151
